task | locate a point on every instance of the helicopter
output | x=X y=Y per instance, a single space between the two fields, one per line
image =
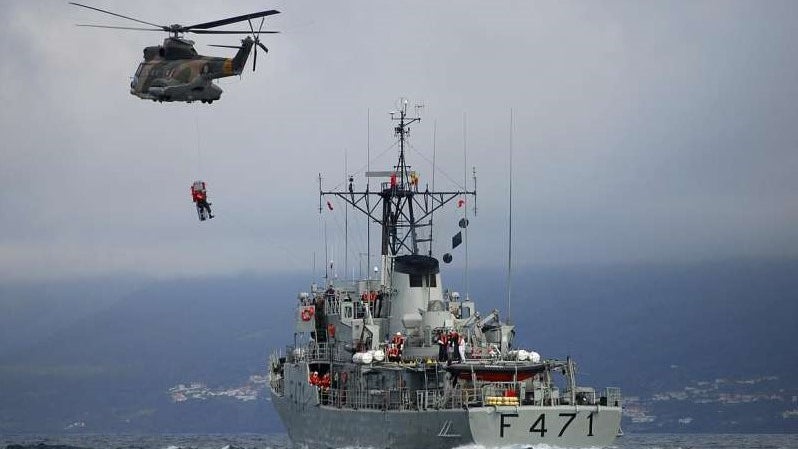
x=175 y=71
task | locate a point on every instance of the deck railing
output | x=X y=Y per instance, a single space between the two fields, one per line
x=613 y=395
x=314 y=352
x=492 y=394
x=499 y=393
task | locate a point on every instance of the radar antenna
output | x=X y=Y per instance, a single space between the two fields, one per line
x=405 y=209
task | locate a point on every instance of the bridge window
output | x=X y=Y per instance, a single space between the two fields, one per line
x=419 y=280
x=415 y=280
x=432 y=281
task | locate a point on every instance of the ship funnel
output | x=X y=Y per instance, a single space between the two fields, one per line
x=416 y=280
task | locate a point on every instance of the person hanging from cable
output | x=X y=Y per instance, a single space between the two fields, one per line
x=200 y=197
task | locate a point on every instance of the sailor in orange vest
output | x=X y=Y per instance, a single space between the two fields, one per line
x=454 y=339
x=392 y=353
x=314 y=378
x=399 y=341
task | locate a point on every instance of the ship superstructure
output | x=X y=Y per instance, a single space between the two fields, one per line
x=399 y=362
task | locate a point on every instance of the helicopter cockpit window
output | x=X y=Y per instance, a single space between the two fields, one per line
x=138 y=71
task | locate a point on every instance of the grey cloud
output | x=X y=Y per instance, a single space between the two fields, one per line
x=659 y=131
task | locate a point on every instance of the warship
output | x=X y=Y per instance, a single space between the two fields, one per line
x=396 y=361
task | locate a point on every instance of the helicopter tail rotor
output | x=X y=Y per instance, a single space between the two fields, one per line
x=246 y=46
x=256 y=38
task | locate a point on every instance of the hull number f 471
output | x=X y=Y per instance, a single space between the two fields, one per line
x=539 y=425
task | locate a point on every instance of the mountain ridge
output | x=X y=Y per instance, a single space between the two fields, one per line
x=649 y=330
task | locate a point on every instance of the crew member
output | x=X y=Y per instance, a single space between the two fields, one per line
x=200 y=198
x=378 y=305
x=443 y=356
x=399 y=341
x=454 y=340
x=392 y=353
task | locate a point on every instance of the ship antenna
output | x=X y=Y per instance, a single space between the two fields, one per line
x=320 y=195
x=474 y=180
x=368 y=169
x=434 y=148
x=346 y=220
x=323 y=229
x=510 y=226
x=326 y=258
x=465 y=198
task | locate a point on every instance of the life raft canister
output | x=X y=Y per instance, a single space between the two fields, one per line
x=307 y=313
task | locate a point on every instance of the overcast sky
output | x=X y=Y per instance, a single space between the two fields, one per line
x=645 y=132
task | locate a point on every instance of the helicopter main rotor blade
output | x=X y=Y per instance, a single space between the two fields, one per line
x=120 y=15
x=226 y=32
x=119 y=28
x=217 y=23
x=225 y=46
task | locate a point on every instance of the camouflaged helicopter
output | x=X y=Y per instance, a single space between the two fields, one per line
x=175 y=71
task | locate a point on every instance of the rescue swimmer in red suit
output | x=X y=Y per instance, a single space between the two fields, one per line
x=200 y=197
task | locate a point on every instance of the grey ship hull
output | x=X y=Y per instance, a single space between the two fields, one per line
x=328 y=427
x=319 y=426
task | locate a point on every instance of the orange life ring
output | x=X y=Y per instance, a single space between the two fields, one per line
x=307 y=314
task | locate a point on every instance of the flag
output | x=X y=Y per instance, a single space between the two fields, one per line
x=329 y=205
x=457 y=240
x=460 y=202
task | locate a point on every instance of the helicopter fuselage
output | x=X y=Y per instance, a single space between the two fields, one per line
x=175 y=72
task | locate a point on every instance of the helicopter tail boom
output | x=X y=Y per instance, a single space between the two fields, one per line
x=240 y=59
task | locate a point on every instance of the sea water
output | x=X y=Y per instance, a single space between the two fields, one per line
x=281 y=441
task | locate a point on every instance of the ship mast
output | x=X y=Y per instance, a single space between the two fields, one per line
x=399 y=207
